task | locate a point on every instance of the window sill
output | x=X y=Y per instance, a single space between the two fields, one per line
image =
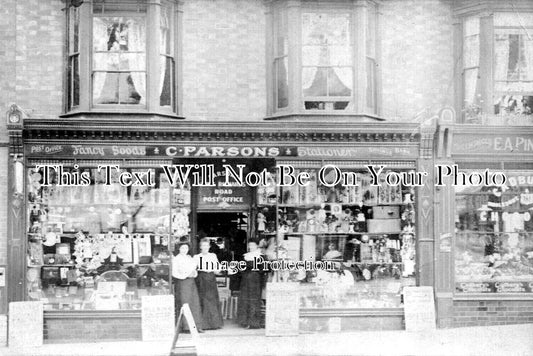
x=493 y=296
x=132 y=115
x=321 y=114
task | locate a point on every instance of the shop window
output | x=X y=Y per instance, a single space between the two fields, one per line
x=101 y=247
x=511 y=89
x=314 y=59
x=366 y=232
x=494 y=237
x=121 y=48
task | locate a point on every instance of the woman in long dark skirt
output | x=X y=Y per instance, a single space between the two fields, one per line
x=183 y=275
x=206 y=282
x=249 y=306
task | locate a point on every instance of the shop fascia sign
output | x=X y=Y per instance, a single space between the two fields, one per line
x=199 y=151
x=218 y=151
x=490 y=144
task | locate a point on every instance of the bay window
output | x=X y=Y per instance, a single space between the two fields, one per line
x=497 y=68
x=323 y=59
x=122 y=57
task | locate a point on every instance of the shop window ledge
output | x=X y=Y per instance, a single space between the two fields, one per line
x=321 y=114
x=350 y=312
x=91 y=314
x=493 y=296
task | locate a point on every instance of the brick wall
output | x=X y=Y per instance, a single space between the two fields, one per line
x=92 y=329
x=492 y=312
x=40 y=31
x=417 y=57
x=224 y=60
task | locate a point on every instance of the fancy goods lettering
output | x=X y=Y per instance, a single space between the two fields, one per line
x=84 y=150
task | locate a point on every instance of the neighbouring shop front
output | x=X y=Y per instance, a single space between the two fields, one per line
x=487 y=231
x=90 y=253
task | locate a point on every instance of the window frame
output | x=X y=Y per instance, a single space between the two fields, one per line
x=152 y=16
x=486 y=93
x=358 y=11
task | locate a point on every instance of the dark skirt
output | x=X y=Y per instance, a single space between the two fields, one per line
x=185 y=292
x=249 y=306
x=209 y=301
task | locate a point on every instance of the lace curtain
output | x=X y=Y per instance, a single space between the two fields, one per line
x=137 y=43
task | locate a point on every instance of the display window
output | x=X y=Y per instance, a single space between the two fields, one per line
x=494 y=236
x=367 y=232
x=101 y=246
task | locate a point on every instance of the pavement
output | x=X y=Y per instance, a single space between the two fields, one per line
x=508 y=340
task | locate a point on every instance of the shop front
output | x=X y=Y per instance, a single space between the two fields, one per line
x=486 y=232
x=103 y=208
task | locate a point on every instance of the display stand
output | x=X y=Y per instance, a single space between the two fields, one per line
x=185 y=347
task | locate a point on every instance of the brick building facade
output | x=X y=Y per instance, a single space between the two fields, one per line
x=223 y=57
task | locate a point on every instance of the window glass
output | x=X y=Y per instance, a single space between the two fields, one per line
x=167 y=64
x=281 y=60
x=494 y=237
x=327 y=61
x=119 y=60
x=513 y=67
x=100 y=247
x=366 y=232
x=73 y=69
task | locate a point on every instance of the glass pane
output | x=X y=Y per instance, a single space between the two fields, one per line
x=105 y=88
x=326 y=29
x=514 y=105
x=119 y=34
x=75 y=81
x=315 y=56
x=471 y=26
x=501 y=56
x=282 y=46
x=471 y=80
x=119 y=88
x=282 y=83
x=106 y=61
x=340 y=81
x=74 y=29
x=340 y=55
x=69 y=84
x=371 y=31
x=370 y=83
x=166 y=81
x=494 y=237
x=372 y=262
x=471 y=51
x=314 y=81
x=98 y=247
x=132 y=61
x=165 y=35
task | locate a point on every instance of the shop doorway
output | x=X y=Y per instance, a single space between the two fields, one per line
x=228 y=232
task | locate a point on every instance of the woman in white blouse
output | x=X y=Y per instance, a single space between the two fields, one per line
x=206 y=282
x=183 y=276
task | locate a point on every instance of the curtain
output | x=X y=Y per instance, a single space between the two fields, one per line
x=501 y=53
x=528 y=47
x=100 y=38
x=164 y=38
x=137 y=43
x=340 y=81
x=308 y=75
